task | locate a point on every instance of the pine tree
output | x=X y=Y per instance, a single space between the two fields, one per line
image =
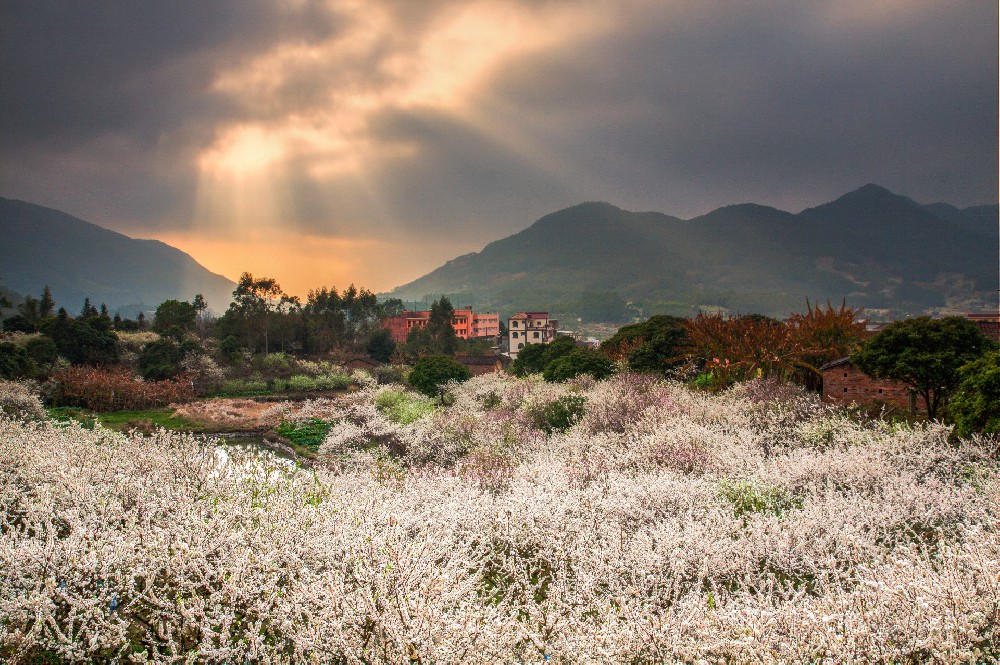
x=47 y=305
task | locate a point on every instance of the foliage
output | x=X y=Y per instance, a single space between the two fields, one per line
x=171 y=313
x=430 y=373
x=41 y=350
x=403 y=407
x=163 y=358
x=308 y=433
x=203 y=372
x=751 y=496
x=754 y=346
x=18 y=323
x=381 y=345
x=244 y=387
x=14 y=361
x=534 y=358
x=437 y=337
x=924 y=354
x=116 y=389
x=975 y=406
x=577 y=362
x=560 y=414
x=88 y=341
x=655 y=345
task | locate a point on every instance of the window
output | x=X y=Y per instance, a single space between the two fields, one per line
x=535 y=335
x=845 y=390
x=879 y=391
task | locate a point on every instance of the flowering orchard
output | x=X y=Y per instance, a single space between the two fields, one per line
x=633 y=521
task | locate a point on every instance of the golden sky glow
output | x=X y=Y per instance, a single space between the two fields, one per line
x=324 y=142
x=243 y=174
x=301 y=263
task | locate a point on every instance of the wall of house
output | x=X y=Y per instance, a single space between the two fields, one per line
x=845 y=384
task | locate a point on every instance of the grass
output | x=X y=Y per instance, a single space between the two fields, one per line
x=125 y=420
x=308 y=434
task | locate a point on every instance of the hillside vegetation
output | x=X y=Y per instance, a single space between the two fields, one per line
x=874 y=248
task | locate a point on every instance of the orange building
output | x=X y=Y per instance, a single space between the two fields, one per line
x=467 y=324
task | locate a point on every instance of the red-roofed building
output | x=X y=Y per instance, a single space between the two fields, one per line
x=988 y=323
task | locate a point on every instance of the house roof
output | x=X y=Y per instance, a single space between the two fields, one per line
x=531 y=315
x=989 y=328
x=478 y=360
x=846 y=360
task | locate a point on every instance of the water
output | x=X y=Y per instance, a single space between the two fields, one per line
x=252 y=443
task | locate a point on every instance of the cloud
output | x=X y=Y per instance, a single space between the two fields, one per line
x=462 y=121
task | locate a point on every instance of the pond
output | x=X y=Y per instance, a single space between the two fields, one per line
x=252 y=443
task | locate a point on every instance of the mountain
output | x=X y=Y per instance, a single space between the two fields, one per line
x=78 y=260
x=872 y=247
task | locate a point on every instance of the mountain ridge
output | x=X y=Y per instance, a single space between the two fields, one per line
x=79 y=259
x=870 y=246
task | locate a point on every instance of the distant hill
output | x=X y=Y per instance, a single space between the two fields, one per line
x=78 y=259
x=874 y=248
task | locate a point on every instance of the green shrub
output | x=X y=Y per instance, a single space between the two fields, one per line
x=333 y=381
x=560 y=415
x=277 y=365
x=577 y=362
x=754 y=497
x=302 y=383
x=403 y=407
x=14 y=362
x=431 y=372
x=242 y=387
x=309 y=433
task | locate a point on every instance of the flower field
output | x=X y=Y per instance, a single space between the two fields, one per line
x=627 y=520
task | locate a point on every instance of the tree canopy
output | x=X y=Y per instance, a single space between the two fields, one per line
x=975 y=406
x=431 y=372
x=925 y=354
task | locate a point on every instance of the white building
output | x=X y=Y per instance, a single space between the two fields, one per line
x=529 y=328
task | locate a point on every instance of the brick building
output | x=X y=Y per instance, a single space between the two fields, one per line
x=479 y=365
x=843 y=383
x=989 y=324
x=467 y=324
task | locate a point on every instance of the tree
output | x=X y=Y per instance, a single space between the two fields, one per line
x=431 y=372
x=655 y=345
x=200 y=307
x=83 y=341
x=975 y=406
x=253 y=300
x=577 y=362
x=381 y=345
x=534 y=358
x=171 y=313
x=161 y=360
x=18 y=323
x=440 y=328
x=29 y=310
x=923 y=353
x=47 y=305
x=14 y=362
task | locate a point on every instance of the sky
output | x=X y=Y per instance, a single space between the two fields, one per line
x=328 y=142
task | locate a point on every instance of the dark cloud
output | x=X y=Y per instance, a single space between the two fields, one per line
x=673 y=106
